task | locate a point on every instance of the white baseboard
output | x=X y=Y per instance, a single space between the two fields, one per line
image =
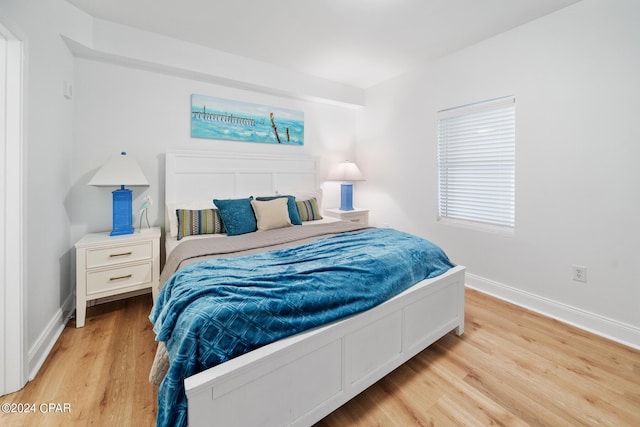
x=599 y=325
x=42 y=347
x=45 y=342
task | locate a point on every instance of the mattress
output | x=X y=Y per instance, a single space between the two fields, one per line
x=172 y=242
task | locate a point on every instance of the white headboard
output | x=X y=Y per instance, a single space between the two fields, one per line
x=201 y=175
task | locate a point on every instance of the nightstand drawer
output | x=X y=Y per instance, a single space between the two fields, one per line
x=119 y=254
x=108 y=265
x=115 y=278
x=356 y=218
x=357 y=215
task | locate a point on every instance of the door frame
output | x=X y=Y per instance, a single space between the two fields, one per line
x=14 y=372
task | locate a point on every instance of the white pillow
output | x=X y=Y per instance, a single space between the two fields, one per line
x=271 y=214
x=193 y=206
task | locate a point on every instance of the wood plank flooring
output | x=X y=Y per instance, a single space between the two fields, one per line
x=101 y=371
x=511 y=367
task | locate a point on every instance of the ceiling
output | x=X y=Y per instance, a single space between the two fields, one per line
x=355 y=42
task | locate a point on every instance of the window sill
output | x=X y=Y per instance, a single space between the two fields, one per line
x=478 y=226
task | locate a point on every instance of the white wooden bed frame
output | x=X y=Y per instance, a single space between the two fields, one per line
x=301 y=379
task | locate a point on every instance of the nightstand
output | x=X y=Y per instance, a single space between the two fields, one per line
x=356 y=215
x=112 y=265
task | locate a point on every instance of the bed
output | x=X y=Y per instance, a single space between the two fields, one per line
x=302 y=376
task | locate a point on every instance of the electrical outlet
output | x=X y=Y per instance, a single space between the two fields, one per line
x=579 y=273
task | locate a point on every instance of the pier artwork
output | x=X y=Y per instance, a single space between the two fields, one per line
x=224 y=119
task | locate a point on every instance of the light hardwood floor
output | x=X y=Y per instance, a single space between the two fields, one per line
x=511 y=367
x=100 y=370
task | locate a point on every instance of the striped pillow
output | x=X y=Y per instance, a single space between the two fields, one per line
x=308 y=209
x=204 y=221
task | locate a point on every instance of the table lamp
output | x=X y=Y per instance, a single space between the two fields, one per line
x=120 y=171
x=347 y=172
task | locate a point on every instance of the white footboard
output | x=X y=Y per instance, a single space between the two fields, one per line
x=301 y=379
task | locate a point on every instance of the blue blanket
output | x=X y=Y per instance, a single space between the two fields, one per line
x=214 y=310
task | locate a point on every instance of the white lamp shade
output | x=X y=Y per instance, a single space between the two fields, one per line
x=346 y=171
x=118 y=171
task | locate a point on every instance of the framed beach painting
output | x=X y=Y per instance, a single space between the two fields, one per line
x=217 y=118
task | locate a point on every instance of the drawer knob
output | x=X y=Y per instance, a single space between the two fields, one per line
x=128 y=276
x=120 y=254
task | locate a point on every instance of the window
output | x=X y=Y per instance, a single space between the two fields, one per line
x=476 y=164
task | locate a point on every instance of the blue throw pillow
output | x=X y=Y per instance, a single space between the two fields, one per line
x=291 y=207
x=237 y=215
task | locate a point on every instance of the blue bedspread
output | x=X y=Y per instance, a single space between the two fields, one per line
x=214 y=310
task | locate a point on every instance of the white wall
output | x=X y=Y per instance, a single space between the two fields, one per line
x=575 y=78
x=132 y=93
x=574 y=74
x=135 y=103
x=121 y=108
x=47 y=160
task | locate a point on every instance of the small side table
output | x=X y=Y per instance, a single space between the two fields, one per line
x=356 y=215
x=112 y=265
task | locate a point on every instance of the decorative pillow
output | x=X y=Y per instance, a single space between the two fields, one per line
x=307 y=195
x=172 y=219
x=271 y=214
x=291 y=206
x=308 y=210
x=204 y=221
x=237 y=215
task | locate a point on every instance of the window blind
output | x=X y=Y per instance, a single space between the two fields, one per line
x=476 y=163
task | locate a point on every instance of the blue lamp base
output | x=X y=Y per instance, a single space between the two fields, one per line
x=122 y=212
x=346 y=196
